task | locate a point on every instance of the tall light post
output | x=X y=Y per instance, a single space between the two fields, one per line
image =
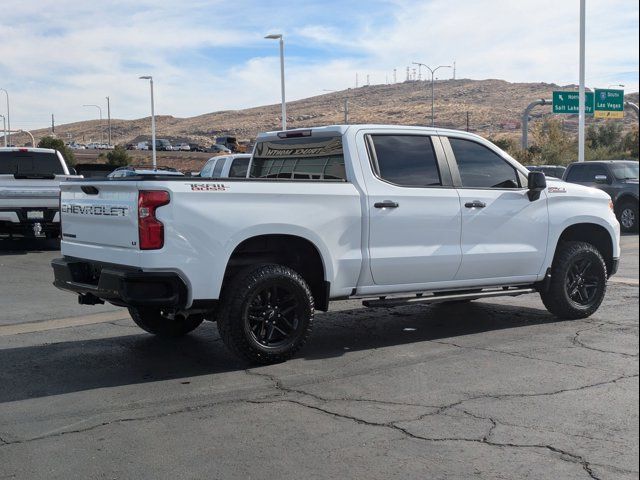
x=153 y=122
x=278 y=36
x=99 y=110
x=4 y=128
x=8 y=113
x=581 y=93
x=109 y=119
x=433 y=71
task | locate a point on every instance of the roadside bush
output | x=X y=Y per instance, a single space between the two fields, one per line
x=118 y=157
x=554 y=145
x=58 y=144
x=630 y=143
x=607 y=135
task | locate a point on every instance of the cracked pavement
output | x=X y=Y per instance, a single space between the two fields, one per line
x=496 y=389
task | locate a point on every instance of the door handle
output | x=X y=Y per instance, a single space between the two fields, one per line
x=475 y=204
x=386 y=204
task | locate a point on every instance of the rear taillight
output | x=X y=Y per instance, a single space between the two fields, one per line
x=150 y=229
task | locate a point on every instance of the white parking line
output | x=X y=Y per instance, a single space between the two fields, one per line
x=44 y=325
x=626 y=281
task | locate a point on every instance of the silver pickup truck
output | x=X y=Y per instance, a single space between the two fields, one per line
x=30 y=191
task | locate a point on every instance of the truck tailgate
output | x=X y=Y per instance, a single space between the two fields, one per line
x=100 y=214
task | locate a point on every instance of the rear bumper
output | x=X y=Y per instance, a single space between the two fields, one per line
x=119 y=284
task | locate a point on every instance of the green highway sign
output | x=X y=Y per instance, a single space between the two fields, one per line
x=609 y=103
x=568 y=102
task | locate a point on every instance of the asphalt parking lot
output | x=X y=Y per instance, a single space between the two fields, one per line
x=494 y=389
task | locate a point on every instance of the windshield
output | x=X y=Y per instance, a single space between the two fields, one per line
x=625 y=171
x=30 y=163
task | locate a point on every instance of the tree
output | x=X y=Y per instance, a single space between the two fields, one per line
x=118 y=157
x=58 y=144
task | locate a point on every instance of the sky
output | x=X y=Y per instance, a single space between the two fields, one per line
x=210 y=55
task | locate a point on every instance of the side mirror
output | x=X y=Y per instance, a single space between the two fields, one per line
x=601 y=179
x=537 y=183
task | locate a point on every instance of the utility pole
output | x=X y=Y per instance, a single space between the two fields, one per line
x=368 y=80
x=454 y=69
x=394 y=76
x=53 y=125
x=109 y=119
x=467 y=120
x=356 y=80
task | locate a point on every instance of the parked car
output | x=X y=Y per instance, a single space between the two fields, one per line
x=197 y=148
x=555 y=171
x=94 y=170
x=183 y=147
x=216 y=148
x=230 y=142
x=432 y=215
x=30 y=190
x=93 y=146
x=226 y=166
x=134 y=171
x=142 y=146
x=619 y=178
x=163 y=145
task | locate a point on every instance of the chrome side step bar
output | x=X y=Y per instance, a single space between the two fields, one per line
x=432 y=298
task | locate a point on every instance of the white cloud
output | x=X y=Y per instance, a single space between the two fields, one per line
x=57 y=55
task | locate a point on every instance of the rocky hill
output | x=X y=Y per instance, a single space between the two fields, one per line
x=489 y=106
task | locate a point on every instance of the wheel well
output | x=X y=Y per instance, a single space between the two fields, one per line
x=625 y=198
x=595 y=235
x=294 y=252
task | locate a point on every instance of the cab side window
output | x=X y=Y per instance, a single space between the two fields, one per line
x=482 y=168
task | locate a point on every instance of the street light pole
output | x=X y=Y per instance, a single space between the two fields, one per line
x=4 y=128
x=581 y=94
x=153 y=122
x=8 y=114
x=433 y=71
x=109 y=118
x=278 y=36
x=100 y=110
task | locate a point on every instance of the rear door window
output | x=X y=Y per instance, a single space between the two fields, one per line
x=217 y=170
x=239 y=168
x=480 y=167
x=406 y=160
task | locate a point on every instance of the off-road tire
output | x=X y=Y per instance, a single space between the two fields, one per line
x=151 y=320
x=627 y=214
x=557 y=297
x=239 y=298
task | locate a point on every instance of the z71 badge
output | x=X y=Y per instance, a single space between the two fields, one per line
x=557 y=190
x=208 y=187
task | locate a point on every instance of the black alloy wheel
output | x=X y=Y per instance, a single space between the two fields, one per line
x=583 y=282
x=578 y=281
x=266 y=313
x=272 y=315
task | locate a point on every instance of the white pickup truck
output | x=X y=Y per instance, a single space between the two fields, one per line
x=30 y=190
x=390 y=214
